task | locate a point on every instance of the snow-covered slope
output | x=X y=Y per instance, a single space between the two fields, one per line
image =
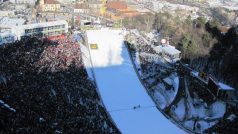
x=120 y=88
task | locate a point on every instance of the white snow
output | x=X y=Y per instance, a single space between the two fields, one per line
x=225 y=87
x=176 y=84
x=204 y=125
x=86 y=60
x=137 y=61
x=109 y=51
x=219 y=109
x=120 y=87
x=171 y=93
x=195 y=73
x=199 y=111
x=216 y=110
x=232 y=117
x=179 y=110
x=105 y=125
x=168 y=81
x=160 y=100
x=199 y=126
x=189 y=124
x=7 y=106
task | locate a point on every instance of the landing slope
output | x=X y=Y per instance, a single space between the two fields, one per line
x=121 y=89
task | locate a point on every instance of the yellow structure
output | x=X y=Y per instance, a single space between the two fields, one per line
x=93 y=46
x=103 y=9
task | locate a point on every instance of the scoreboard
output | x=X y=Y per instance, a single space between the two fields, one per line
x=93 y=46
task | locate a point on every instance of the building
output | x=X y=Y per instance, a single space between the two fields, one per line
x=81 y=8
x=49 y=5
x=209 y=89
x=67 y=1
x=88 y=20
x=49 y=30
x=117 y=5
x=6 y=37
x=85 y=22
x=161 y=6
x=31 y=2
x=94 y=4
x=7 y=22
x=220 y=90
x=168 y=52
x=117 y=10
x=46 y=29
x=171 y=54
x=6 y=13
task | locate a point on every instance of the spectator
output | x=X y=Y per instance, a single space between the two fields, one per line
x=46 y=84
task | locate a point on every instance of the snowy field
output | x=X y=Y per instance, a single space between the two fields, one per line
x=125 y=99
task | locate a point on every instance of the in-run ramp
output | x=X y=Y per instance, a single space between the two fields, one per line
x=121 y=89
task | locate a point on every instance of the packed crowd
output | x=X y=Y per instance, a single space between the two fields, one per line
x=48 y=90
x=147 y=49
x=60 y=55
x=143 y=46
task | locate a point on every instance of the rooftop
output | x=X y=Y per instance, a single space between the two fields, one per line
x=225 y=87
x=44 y=24
x=171 y=50
x=168 y=81
x=81 y=6
x=51 y=2
x=7 y=22
x=116 y=4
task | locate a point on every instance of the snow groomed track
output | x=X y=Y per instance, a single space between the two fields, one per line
x=120 y=89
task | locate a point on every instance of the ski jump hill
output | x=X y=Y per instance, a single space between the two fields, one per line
x=127 y=102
